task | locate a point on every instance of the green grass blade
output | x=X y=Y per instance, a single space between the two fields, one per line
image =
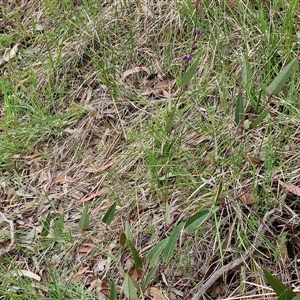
x=196 y=220
x=156 y=251
x=247 y=73
x=188 y=75
x=59 y=225
x=277 y=285
x=280 y=80
x=172 y=243
x=137 y=260
x=129 y=288
x=239 y=109
x=260 y=118
x=149 y=277
x=84 y=221
x=112 y=291
x=46 y=226
x=110 y=214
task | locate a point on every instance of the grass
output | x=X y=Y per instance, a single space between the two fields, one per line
x=75 y=130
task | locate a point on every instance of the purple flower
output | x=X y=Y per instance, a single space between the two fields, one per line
x=187 y=58
x=200 y=31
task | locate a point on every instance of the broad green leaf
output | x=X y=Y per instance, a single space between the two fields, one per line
x=284 y=296
x=84 y=221
x=109 y=215
x=296 y=298
x=112 y=291
x=247 y=73
x=137 y=260
x=196 y=220
x=59 y=225
x=260 y=118
x=278 y=286
x=156 y=251
x=149 y=277
x=172 y=243
x=46 y=226
x=239 y=109
x=280 y=80
x=188 y=75
x=129 y=288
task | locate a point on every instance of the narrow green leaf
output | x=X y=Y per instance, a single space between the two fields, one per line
x=155 y=252
x=284 y=296
x=196 y=220
x=59 y=225
x=149 y=277
x=277 y=285
x=239 y=109
x=247 y=73
x=109 y=215
x=260 y=118
x=172 y=243
x=218 y=194
x=123 y=238
x=129 y=288
x=188 y=75
x=46 y=226
x=170 y=120
x=137 y=260
x=84 y=221
x=280 y=80
x=128 y=231
x=112 y=291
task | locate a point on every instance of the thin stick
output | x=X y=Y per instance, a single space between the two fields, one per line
x=12 y=234
x=231 y=265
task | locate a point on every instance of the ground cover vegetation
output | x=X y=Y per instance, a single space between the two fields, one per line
x=149 y=149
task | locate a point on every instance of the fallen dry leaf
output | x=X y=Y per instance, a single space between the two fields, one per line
x=82 y=271
x=62 y=179
x=158 y=85
x=165 y=93
x=99 y=193
x=247 y=198
x=133 y=71
x=254 y=160
x=156 y=294
x=105 y=288
x=44 y=176
x=290 y=188
x=90 y=170
x=9 y=55
x=84 y=249
x=27 y=273
x=33 y=156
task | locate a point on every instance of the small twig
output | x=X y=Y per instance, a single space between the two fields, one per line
x=12 y=234
x=233 y=264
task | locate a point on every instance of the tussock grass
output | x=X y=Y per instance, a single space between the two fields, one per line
x=73 y=127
